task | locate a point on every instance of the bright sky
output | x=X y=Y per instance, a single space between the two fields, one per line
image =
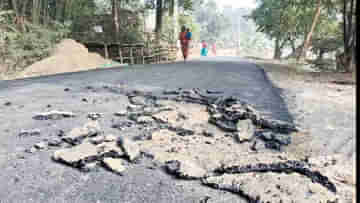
x=238 y=3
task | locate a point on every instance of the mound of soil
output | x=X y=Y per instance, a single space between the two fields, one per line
x=68 y=56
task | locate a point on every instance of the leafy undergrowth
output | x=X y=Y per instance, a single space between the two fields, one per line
x=20 y=48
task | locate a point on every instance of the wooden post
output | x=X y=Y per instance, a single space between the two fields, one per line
x=120 y=54
x=131 y=56
x=143 y=55
x=106 y=51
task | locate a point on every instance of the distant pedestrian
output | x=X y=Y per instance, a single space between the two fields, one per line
x=204 y=50
x=188 y=34
x=184 y=43
x=189 y=38
x=213 y=48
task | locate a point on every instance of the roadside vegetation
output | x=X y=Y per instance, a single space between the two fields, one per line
x=317 y=34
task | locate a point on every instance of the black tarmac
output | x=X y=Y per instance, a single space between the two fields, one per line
x=34 y=177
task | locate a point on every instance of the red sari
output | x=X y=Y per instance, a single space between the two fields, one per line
x=184 y=44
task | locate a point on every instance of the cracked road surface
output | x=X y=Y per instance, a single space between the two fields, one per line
x=34 y=177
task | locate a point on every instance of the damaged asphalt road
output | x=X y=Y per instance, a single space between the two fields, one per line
x=29 y=174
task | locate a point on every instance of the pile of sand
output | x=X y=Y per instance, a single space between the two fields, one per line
x=68 y=56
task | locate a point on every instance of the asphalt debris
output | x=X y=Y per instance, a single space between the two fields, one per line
x=31 y=132
x=184 y=169
x=7 y=103
x=53 y=115
x=150 y=113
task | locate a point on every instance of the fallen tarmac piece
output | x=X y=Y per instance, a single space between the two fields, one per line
x=289 y=166
x=272 y=187
x=53 y=115
x=130 y=149
x=115 y=165
x=31 y=132
x=76 y=135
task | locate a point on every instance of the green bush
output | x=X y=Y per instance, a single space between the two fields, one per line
x=21 y=49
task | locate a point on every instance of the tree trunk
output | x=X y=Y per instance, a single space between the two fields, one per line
x=308 y=38
x=321 y=55
x=20 y=13
x=60 y=6
x=293 y=48
x=348 y=59
x=45 y=12
x=173 y=14
x=64 y=12
x=14 y=5
x=115 y=14
x=295 y=53
x=36 y=11
x=277 y=53
x=357 y=38
x=159 y=13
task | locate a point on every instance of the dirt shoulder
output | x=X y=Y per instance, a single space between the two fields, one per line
x=319 y=105
x=324 y=109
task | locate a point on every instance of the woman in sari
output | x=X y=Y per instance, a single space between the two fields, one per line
x=184 y=42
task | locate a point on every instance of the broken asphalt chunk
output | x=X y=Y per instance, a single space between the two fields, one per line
x=130 y=148
x=54 y=142
x=288 y=166
x=120 y=113
x=185 y=169
x=144 y=119
x=110 y=138
x=77 y=156
x=272 y=187
x=246 y=130
x=181 y=131
x=53 y=115
x=7 y=103
x=40 y=145
x=94 y=116
x=122 y=124
x=31 y=150
x=223 y=124
x=114 y=165
x=76 y=135
x=110 y=149
x=32 y=132
x=97 y=139
x=171 y=92
x=274 y=140
x=277 y=125
x=137 y=100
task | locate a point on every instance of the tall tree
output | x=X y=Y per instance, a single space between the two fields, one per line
x=349 y=29
x=159 y=18
x=356 y=35
x=309 y=35
x=115 y=14
x=36 y=11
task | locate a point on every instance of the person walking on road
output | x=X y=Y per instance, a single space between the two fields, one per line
x=184 y=42
x=188 y=34
x=204 y=50
x=213 y=49
x=189 y=38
